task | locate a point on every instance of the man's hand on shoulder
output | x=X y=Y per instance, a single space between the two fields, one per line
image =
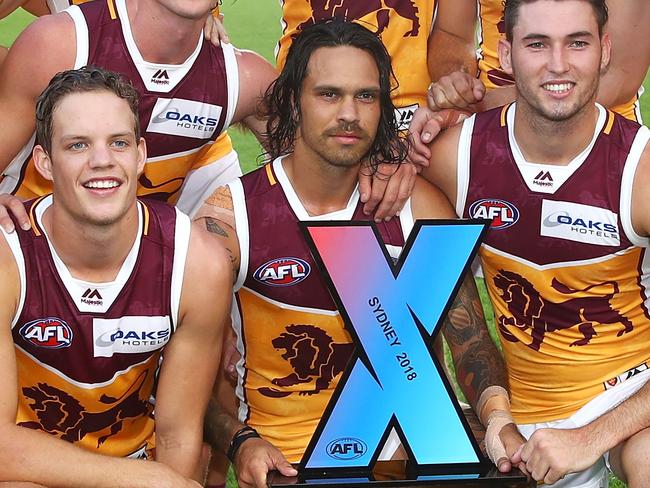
x=11 y=205
x=255 y=459
x=386 y=190
x=458 y=90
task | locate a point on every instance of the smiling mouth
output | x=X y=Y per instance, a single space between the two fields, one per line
x=558 y=88
x=102 y=184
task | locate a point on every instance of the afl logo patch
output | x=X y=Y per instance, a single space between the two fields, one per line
x=282 y=272
x=502 y=214
x=346 y=448
x=51 y=333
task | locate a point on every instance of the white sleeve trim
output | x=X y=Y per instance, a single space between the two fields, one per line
x=462 y=164
x=627 y=182
x=232 y=79
x=81 y=33
x=241 y=224
x=14 y=245
x=181 y=246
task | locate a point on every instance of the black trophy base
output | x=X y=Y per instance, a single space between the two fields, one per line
x=394 y=473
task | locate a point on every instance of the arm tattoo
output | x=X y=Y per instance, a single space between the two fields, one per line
x=477 y=360
x=213 y=226
x=219 y=427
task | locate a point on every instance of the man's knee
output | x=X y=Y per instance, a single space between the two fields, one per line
x=630 y=460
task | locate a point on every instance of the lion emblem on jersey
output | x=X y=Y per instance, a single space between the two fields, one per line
x=313 y=356
x=62 y=415
x=530 y=311
x=355 y=9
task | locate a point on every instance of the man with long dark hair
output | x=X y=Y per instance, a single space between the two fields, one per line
x=331 y=111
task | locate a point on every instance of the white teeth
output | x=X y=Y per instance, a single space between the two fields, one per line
x=557 y=87
x=102 y=184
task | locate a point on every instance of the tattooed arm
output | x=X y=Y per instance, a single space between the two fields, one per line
x=219 y=216
x=254 y=458
x=479 y=366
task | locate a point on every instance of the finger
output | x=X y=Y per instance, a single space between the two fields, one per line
x=503 y=464
x=365 y=183
x=404 y=191
x=6 y=223
x=479 y=89
x=260 y=478
x=553 y=476
x=418 y=152
x=389 y=196
x=516 y=457
x=379 y=186
x=439 y=99
x=14 y=206
x=284 y=467
x=458 y=92
x=221 y=30
x=431 y=129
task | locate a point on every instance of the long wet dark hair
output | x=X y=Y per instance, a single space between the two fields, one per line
x=282 y=98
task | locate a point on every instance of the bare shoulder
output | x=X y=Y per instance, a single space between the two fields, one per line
x=442 y=165
x=429 y=202
x=207 y=256
x=10 y=282
x=34 y=58
x=255 y=76
x=641 y=195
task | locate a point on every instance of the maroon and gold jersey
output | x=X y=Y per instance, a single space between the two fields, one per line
x=183 y=108
x=403 y=25
x=492 y=28
x=87 y=353
x=566 y=272
x=56 y=6
x=291 y=336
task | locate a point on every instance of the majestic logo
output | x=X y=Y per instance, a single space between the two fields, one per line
x=543 y=178
x=530 y=311
x=130 y=335
x=51 y=333
x=314 y=358
x=187 y=118
x=502 y=214
x=282 y=272
x=92 y=297
x=346 y=448
x=62 y=415
x=354 y=9
x=160 y=77
x=578 y=222
x=404 y=115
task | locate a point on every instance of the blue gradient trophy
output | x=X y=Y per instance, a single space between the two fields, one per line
x=394 y=383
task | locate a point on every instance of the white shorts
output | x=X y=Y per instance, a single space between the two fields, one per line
x=597 y=475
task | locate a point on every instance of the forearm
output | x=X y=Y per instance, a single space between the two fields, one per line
x=220 y=427
x=37 y=457
x=180 y=449
x=449 y=53
x=477 y=360
x=620 y=423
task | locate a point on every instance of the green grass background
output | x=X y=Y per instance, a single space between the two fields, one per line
x=255 y=24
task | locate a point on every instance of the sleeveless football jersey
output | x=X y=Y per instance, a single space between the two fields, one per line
x=404 y=28
x=290 y=334
x=56 y=6
x=183 y=108
x=565 y=270
x=87 y=353
x=492 y=28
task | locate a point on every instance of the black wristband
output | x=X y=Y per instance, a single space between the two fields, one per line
x=238 y=439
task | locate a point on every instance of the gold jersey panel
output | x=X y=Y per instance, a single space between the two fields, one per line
x=89 y=416
x=285 y=396
x=552 y=374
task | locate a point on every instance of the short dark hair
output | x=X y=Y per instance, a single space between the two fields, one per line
x=86 y=79
x=282 y=98
x=511 y=13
